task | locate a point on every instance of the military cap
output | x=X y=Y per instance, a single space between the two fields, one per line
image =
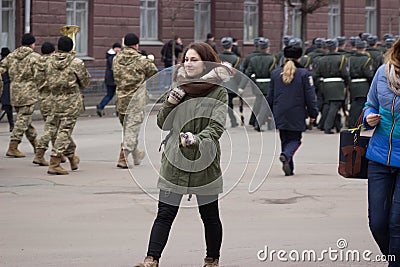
x=353 y=40
x=65 y=44
x=295 y=41
x=4 y=52
x=226 y=42
x=389 y=42
x=360 y=44
x=341 y=40
x=47 y=48
x=331 y=44
x=319 y=42
x=364 y=36
x=387 y=36
x=372 y=39
x=28 y=39
x=292 y=51
x=286 y=39
x=255 y=41
x=263 y=43
x=131 y=39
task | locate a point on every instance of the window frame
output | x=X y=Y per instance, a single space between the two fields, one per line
x=198 y=18
x=10 y=43
x=145 y=12
x=334 y=19
x=250 y=34
x=295 y=19
x=79 y=36
x=371 y=17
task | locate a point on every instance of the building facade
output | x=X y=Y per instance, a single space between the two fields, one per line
x=103 y=22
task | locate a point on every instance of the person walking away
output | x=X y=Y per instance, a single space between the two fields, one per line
x=232 y=85
x=195 y=110
x=108 y=79
x=292 y=99
x=131 y=70
x=235 y=47
x=361 y=72
x=211 y=41
x=260 y=68
x=332 y=77
x=382 y=111
x=20 y=66
x=66 y=75
x=167 y=54
x=5 y=96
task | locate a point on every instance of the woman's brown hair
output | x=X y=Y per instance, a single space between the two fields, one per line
x=393 y=56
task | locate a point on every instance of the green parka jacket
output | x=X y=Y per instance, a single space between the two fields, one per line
x=193 y=169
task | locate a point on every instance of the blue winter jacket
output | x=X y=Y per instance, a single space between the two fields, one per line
x=384 y=146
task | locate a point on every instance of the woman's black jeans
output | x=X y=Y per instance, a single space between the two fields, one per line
x=168 y=206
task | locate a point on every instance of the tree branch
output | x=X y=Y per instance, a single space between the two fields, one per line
x=310 y=8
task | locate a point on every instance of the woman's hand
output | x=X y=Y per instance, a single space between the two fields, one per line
x=373 y=119
x=176 y=95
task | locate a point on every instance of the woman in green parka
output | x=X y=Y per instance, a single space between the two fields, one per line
x=194 y=112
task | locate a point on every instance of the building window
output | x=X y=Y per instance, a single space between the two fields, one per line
x=250 y=20
x=334 y=19
x=77 y=14
x=202 y=18
x=7 y=24
x=370 y=16
x=296 y=19
x=148 y=20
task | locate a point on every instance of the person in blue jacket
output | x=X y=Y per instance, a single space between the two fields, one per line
x=292 y=99
x=382 y=112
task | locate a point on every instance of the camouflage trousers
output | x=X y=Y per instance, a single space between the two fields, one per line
x=23 y=124
x=131 y=127
x=60 y=129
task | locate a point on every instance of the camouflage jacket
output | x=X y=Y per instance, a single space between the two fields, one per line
x=131 y=70
x=65 y=76
x=20 y=67
x=44 y=95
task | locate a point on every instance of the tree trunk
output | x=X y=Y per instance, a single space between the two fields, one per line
x=304 y=21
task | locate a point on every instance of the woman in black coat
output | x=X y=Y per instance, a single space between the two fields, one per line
x=5 y=97
x=292 y=99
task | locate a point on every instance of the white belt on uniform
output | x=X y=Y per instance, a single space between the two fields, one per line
x=328 y=80
x=359 y=80
x=263 y=80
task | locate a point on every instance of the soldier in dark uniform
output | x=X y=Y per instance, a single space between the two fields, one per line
x=243 y=82
x=341 y=44
x=361 y=74
x=374 y=52
x=279 y=55
x=232 y=85
x=353 y=49
x=384 y=38
x=260 y=68
x=304 y=60
x=331 y=72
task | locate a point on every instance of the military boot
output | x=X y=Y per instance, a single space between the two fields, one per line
x=13 y=150
x=74 y=161
x=63 y=159
x=148 y=262
x=34 y=144
x=137 y=155
x=121 y=161
x=210 y=262
x=55 y=167
x=39 y=157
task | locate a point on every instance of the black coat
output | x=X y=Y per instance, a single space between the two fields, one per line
x=291 y=104
x=109 y=75
x=5 y=97
x=166 y=53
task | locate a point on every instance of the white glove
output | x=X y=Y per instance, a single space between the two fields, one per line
x=240 y=91
x=176 y=95
x=187 y=139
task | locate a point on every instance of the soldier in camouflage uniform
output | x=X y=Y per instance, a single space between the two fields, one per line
x=20 y=66
x=232 y=85
x=361 y=73
x=45 y=103
x=260 y=68
x=332 y=77
x=131 y=70
x=65 y=77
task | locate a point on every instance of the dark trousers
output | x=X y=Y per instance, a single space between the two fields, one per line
x=332 y=119
x=290 y=142
x=231 y=114
x=258 y=104
x=107 y=98
x=356 y=108
x=8 y=111
x=168 y=206
x=384 y=208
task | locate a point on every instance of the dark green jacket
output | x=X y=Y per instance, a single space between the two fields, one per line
x=260 y=67
x=184 y=170
x=245 y=65
x=233 y=84
x=332 y=65
x=376 y=56
x=360 y=67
